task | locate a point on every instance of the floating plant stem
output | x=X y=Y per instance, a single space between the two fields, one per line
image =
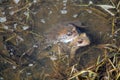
x=111 y=63
x=35 y=34
x=112 y=3
x=118 y=76
x=25 y=7
x=85 y=73
x=73 y=69
x=7 y=59
x=106 y=8
x=14 y=35
x=113 y=26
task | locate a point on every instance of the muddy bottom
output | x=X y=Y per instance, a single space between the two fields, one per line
x=24 y=52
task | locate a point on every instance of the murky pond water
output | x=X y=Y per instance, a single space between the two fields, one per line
x=27 y=25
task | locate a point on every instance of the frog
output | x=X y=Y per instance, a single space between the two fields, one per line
x=81 y=40
x=61 y=33
x=69 y=37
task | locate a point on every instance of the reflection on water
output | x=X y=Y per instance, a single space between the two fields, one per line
x=25 y=26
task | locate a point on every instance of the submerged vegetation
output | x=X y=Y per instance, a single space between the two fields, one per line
x=24 y=55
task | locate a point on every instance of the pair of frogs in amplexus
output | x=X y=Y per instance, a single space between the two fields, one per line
x=74 y=35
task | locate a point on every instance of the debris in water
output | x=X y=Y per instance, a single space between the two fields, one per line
x=63 y=11
x=1 y=78
x=34 y=1
x=42 y=20
x=26 y=13
x=75 y=15
x=107 y=7
x=53 y=58
x=15 y=26
x=25 y=27
x=28 y=73
x=14 y=67
x=89 y=11
x=35 y=46
x=5 y=27
x=30 y=65
x=3 y=19
x=16 y=1
x=90 y=2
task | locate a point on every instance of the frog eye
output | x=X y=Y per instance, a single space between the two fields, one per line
x=74 y=31
x=69 y=34
x=80 y=41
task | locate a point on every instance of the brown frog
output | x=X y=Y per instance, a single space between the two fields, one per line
x=80 y=41
x=73 y=36
x=61 y=33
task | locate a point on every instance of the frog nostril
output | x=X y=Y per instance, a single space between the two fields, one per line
x=69 y=34
x=74 y=31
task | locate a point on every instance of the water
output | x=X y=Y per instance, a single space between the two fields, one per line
x=32 y=59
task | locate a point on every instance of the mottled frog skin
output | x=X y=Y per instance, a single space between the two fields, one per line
x=73 y=36
x=61 y=33
x=64 y=33
x=68 y=34
x=80 y=41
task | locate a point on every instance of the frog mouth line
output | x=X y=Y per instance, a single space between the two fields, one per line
x=65 y=39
